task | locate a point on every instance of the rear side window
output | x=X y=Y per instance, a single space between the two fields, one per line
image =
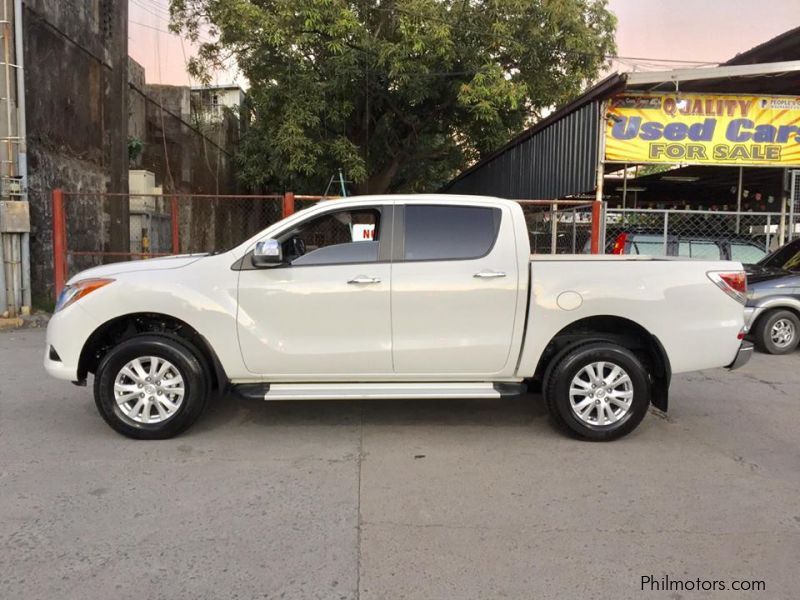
x=449 y=232
x=651 y=245
x=746 y=253
x=708 y=250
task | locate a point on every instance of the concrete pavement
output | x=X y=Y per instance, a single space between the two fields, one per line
x=391 y=500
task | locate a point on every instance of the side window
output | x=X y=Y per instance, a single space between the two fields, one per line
x=347 y=236
x=709 y=250
x=651 y=245
x=746 y=253
x=439 y=232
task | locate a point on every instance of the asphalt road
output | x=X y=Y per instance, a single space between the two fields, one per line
x=391 y=500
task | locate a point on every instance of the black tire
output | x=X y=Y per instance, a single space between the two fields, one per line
x=762 y=334
x=190 y=366
x=557 y=390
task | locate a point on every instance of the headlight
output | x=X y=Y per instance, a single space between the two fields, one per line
x=79 y=289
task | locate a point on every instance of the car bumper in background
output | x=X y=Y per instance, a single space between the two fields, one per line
x=750 y=315
x=742 y=356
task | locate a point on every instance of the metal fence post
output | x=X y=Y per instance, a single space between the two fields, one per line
x=603 y=227
x=553 y=228
x=793 y=193
x=597 y=214
x=288 y=204
x=174 y=214
x=666 y=228
x=59 y=241
x=574 y=231
x=769 y=227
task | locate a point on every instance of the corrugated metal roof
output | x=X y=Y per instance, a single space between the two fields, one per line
x=526 y=166
x=785 y=46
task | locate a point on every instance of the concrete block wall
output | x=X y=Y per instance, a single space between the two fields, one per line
x=77 y=107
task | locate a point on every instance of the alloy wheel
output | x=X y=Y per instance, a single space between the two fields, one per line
x=148 y=390
x=782 y=333
x=601 y=393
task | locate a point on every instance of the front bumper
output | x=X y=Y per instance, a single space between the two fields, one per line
x=742 y=356
x=67 y=332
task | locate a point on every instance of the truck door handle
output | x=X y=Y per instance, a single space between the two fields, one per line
x=364 y=279
x=489 y=274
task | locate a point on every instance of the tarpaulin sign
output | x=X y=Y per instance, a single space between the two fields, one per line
x=707 y=129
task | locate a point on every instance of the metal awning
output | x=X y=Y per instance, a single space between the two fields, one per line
x=635 y=80
x=556 y=157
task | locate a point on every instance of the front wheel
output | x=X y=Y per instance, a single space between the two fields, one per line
x=151 y=387
x=600 y=391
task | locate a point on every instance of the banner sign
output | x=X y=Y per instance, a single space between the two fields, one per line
x=704 y=129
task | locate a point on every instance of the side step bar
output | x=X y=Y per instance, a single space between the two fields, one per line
x=373 y=391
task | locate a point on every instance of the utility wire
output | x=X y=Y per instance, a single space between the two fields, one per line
x=145 y=25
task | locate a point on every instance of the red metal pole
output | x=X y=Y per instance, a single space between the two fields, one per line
x=59 y=241
x=597 y=216
x=176 y=246
x=288 y=204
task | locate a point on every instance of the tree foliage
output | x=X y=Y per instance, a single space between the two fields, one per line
x=399 y=93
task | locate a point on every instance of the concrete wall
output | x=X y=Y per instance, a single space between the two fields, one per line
x=191 y=156
x=85 y=99
x=77 y=112
x=186 y=155
x=211 y=104
x=137 y=106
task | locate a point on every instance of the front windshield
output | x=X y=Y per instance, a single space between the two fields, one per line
x=787 y=257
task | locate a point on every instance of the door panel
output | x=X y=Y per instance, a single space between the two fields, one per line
x=325 y=312
x=310 y=320
x=454 y=316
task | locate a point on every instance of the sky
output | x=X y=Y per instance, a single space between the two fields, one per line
x=703 y=31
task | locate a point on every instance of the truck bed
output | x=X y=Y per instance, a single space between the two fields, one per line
x=697 y=323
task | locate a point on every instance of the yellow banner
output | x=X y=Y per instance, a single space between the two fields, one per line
x=705 y=129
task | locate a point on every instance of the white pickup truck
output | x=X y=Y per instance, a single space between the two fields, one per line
x=428 y=296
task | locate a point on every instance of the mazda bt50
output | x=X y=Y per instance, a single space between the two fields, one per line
x=430 y=296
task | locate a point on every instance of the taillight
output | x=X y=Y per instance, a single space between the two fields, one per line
x=619 y=244
x=733 y=283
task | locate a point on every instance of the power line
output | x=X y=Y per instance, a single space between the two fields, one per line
x=149 y=11
x=146 y=26
x=662 y=60
x=640 y=59
x=570 y=52
x=154 y=5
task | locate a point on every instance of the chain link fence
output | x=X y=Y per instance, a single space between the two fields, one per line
x=794 y=204
x=159 y=225
x=727 y=235
x=561 y=227
x=183 y=223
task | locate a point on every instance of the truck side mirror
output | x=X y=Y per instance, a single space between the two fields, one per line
x=267 y=253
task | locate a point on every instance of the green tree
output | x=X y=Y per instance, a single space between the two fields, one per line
x=402 y=94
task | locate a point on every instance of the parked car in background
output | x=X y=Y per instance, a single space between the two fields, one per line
x=651 y=243
x=773 y=300
x=431 y=296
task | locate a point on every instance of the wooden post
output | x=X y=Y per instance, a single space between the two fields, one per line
x=59 y=241
x=288 y=204
x=174 y=214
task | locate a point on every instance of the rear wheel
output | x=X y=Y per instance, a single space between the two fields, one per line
x=151 y=387
x=600 y=391
x=777 y=332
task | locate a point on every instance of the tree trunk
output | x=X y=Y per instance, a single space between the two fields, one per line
x=380 y=181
